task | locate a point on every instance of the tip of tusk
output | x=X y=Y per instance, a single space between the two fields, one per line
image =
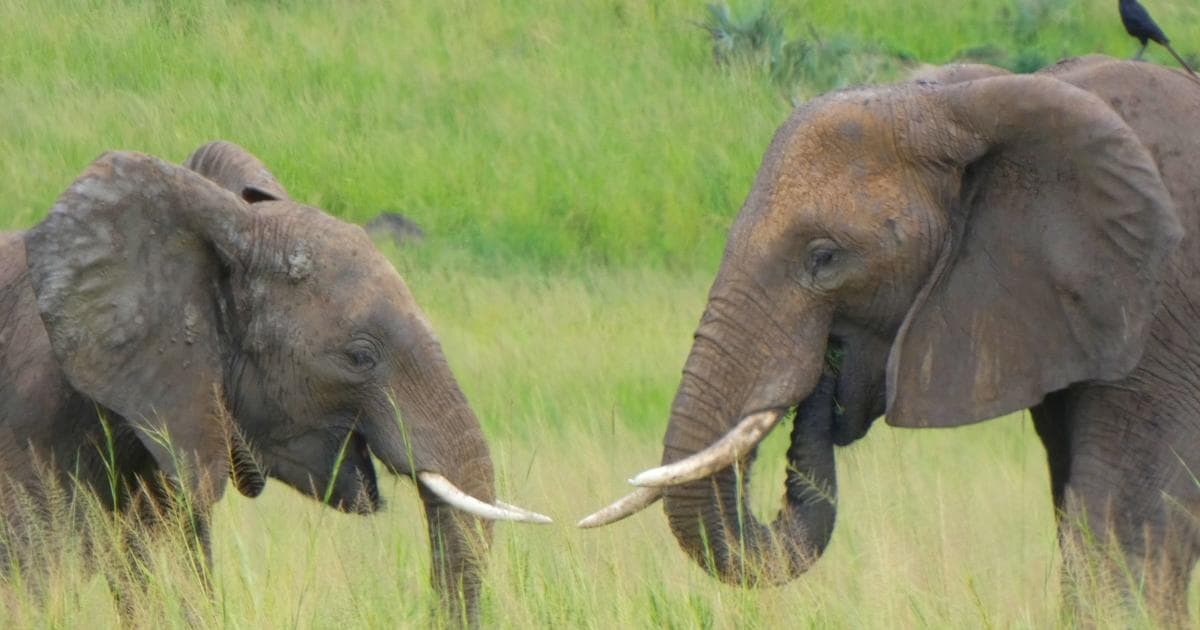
x=590 y=521
x=626 y=506
x=533 y=517
x=741 y=439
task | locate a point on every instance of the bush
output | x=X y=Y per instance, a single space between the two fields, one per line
x=758 y=42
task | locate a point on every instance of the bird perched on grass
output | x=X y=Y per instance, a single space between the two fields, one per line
x=1139 y=24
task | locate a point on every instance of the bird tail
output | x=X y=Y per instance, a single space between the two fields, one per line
x=1182 y=63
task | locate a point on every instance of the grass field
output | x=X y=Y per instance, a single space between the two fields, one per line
x=937 y=528
x=575 y=165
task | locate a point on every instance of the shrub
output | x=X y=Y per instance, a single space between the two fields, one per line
x=758 y=41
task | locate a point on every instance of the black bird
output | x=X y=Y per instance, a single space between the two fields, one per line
x=1139 y=24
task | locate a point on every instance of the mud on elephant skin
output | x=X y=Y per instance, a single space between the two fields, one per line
x=199 y=310
x=954 y=249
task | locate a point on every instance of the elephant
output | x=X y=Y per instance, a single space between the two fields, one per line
x=944 y=251
x=168 y=327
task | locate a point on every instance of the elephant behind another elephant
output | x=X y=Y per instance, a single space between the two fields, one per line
x=177 y=314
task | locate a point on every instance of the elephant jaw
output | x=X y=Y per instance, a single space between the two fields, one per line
x=354 y=486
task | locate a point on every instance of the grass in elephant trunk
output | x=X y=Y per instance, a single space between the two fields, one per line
x=572 y=378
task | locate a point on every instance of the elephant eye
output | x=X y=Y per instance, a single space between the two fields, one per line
x=821 y=253
x=361 y=358
x=820 y=258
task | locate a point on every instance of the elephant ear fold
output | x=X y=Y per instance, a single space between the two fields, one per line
x=237 y=170
x=1060 y=230
x=126 y=269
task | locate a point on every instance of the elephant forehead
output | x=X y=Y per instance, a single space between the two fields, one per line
x=377 y=293
x=838 y=163
x=850 y=198
x=850 y=126
x=338 y=268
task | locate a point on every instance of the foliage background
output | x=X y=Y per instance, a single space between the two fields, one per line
x=555 y=134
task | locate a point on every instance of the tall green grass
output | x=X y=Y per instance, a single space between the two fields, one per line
x=549 y=134
x=572 y=377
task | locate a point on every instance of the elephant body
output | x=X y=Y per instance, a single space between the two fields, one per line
x=167 y=328
x=949 y=250
x=1122 y=453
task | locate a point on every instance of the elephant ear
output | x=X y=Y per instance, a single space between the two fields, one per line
x=125 y=269
x=236 y=169
x=1060 y=228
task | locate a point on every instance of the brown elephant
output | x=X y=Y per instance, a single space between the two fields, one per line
x=942 y=252
x=161 y=318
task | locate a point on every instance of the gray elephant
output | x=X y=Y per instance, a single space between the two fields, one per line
x=943 y=252
x=161 y=318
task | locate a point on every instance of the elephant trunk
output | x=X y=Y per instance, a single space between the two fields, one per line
x=459 y=545
x=459 y=541
x=710 y=517
x=439 y=442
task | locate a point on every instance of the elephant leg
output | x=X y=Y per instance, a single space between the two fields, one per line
x=1125 y=500
x=1052 y=421
x=1053 y=426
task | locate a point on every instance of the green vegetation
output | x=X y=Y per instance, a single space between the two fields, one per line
x=575 y=164
x=571 y=377
x=556 y=134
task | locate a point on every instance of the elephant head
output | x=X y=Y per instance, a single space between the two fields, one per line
x=941 y=252
x=180 y=298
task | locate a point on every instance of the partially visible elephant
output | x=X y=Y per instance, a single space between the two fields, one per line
x=211 y=326
x=947 y=251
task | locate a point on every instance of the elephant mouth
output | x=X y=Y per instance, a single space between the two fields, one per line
x=358 y=491
x=853 y=412
x=835 y=357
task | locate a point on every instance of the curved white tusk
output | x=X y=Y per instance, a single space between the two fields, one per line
x=721 y=454
x=627 y=505
x=450 y=493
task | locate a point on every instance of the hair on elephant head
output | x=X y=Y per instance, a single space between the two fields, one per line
x=176 y=297
x=943 y=251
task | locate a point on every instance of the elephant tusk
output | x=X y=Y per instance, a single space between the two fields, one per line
x=450 y=493
x=533 y=516
x=721 y=454
x=627 y=505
